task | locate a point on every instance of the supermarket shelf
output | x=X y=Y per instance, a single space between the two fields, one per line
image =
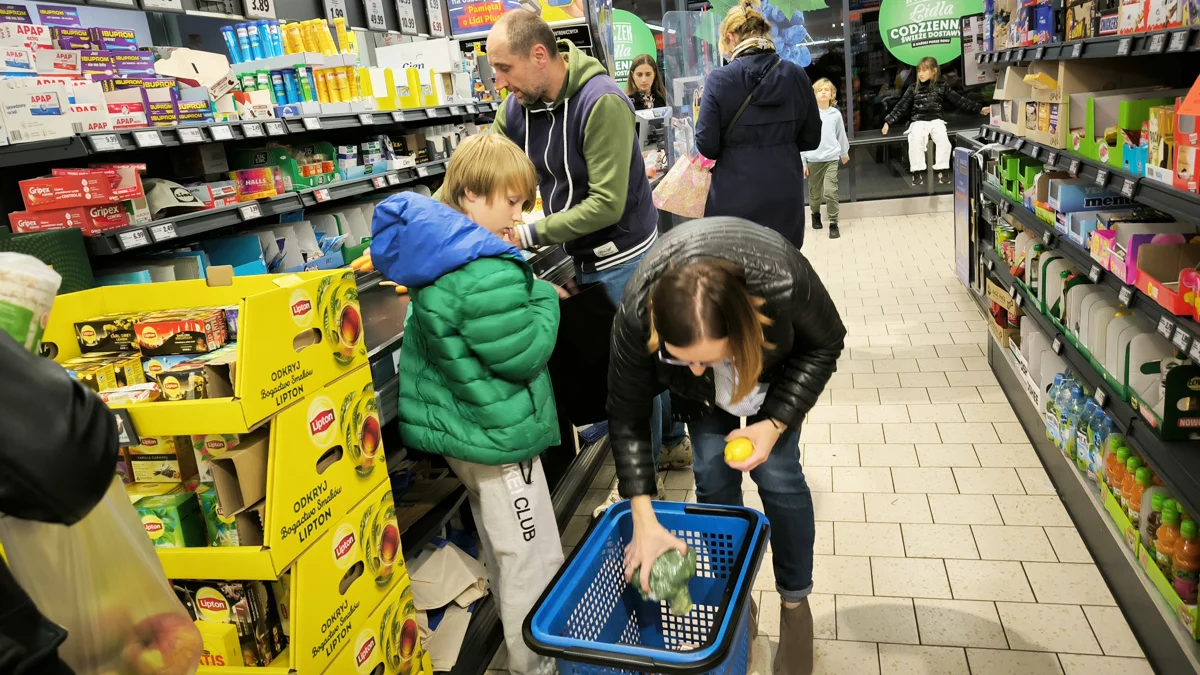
x=235 y=562
x=387 y=397
x=1161 y=196
x=1181 y=330
x=279 y=665
x=1166 y=644
x=189 y=226
x=1177 y=464
x=424 y=530
x=1173 y=41
x=249 y=130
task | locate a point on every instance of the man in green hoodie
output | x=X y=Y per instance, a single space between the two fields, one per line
x=577 y=127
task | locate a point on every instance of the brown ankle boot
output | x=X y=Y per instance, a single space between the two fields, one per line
x=795 y=653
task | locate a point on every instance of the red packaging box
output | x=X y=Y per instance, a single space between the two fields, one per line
x=64 y=192
x=91 y=219
x=181 y=332
x=123 y=179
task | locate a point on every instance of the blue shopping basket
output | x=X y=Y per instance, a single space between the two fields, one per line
x=594 y=623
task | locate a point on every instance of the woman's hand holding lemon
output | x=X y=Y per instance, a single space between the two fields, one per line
x=746 y=448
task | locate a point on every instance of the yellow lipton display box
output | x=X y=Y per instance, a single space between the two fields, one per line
x=296 y=333
x=390 y=642
x=324 y=456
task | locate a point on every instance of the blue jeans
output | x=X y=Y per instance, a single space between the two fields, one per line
x=781 y=486
x=614 y=280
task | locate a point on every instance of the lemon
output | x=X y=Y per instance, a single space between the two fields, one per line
x=738 y=450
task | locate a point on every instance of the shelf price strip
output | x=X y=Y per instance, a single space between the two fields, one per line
x=191 y=136
x=162 y=232
x=132 y=239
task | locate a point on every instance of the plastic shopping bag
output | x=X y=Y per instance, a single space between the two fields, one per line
x=101 y=580
x=684 y=190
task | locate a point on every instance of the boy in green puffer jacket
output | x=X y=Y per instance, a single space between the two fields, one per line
x=473 y=380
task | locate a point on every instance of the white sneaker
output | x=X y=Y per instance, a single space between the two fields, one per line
x=677 y=456
x=615 y=496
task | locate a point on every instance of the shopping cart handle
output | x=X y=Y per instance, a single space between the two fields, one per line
x=628 y=661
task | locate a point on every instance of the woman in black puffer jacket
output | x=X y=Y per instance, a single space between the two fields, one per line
x=733 y=321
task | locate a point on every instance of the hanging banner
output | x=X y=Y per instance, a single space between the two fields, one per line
x=631 y=38
x=914 y=29
x=478 y=16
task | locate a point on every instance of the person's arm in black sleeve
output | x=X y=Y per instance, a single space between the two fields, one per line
x=818 y=342
x=961 y=102
x=59 y=452
x=708 y=120
x=900 y=113
x=631 y=391
x=809 y=135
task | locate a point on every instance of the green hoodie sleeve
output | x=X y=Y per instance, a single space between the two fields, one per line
x=607 y=143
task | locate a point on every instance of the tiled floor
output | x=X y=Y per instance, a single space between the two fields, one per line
x=941 y=548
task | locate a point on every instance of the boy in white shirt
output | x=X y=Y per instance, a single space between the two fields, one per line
x=821 y=165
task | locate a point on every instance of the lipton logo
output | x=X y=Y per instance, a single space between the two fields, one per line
x=153 y=527
x=321 y=421
x=364 y=652
x=149 y=334
x=212 y=604
x=215 y=445
x=344 y=546
x=149 y=441
x=301 y=307
x=88 y=334
x=170 y=385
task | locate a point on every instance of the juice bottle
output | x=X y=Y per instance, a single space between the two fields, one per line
x=1166 y=537
x=1140 y=482
x=1153 y=521
x=1185 y=564
x=1051 y=411
x=1116 y=475
x=1131 y=466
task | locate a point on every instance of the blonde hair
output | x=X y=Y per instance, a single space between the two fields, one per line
x=825 y=83
x=743 y=21
x=485 y=165
x=707 y=299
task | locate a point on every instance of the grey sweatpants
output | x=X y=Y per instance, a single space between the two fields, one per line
x=823 y=188
x=521 y=547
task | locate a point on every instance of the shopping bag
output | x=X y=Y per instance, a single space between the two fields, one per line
x=101 y=580
x=684 y=189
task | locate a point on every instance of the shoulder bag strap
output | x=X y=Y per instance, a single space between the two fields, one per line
x=749 y=98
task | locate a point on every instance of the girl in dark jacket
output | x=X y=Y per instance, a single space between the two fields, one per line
x=645 y=86
x=734 y=323
x=759 y=174
x=923 y=102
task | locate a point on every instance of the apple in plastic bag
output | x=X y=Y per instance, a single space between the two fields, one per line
x=164 y=644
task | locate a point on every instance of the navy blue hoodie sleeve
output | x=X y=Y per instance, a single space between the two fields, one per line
x=809 y=132
x=708 y=121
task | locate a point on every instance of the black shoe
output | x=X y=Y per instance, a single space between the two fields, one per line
x=816 y=221
x=918 y=179
x=833 y=231
x=941 y=177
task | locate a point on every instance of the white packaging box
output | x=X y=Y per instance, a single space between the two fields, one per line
x=36 y=114
x=57 y=62
x=24 y=35
x=16 y=61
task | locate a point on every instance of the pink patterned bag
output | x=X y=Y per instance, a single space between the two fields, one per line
x=684 y=190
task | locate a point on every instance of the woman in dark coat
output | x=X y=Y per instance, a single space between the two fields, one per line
x=759 y=175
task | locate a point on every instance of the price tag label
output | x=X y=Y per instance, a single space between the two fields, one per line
x=1057 y=345
x=1052 y=159
x=1166 y=327
x=366 y=119
x=1047 y=237
x=1181 y=340
x=1128 y=186
x=1125 y=295
x=260 y=9
x=1178 y=41
x=1095 y=273
x=312 y=123
x=250 y=211
x=1006 y=56
x=375 y=18
x=1018 y=144
x=1157 y=43
x=408 y=16
x=192 y=135
x=1101 y=397
x=393 y=179
x=1012 y=291
x=221 y=132
x=457 y=110
x=105 y=142
x=437 y=20
x=335 y=9
x=162 y=232
x=436 y=112
x=1077 y=50
x=1035 y=152
x=1074 y=168
x=991 y=265
x=252 y=130
x=1008 y=207
x=148 y=138
x=472 y=108
x=1019 y=300
x=1039 y=53
x=1021 y=54
x=397 y=116
x=1102 y=177
x=276 y=129
x=1123 y=46
x=379 y=182
x=132 y=239
x=322 y=195
x=1194 y=352
x=422 y=171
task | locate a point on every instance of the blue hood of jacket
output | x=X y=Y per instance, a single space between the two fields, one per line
x=416 y=240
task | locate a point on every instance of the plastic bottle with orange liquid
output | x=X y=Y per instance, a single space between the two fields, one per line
x=1167 y=537
x=1185 y=564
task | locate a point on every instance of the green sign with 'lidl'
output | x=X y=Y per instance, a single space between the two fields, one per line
x=914 y=29
x=631 y=38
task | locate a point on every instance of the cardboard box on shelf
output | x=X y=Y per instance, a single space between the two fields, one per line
x=171 y=520
x=1159 y=267
x=28 y=35
x=1124 y=111
x=162 y=459
x=246 y=605
x=194 y=68
x=389 y=642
